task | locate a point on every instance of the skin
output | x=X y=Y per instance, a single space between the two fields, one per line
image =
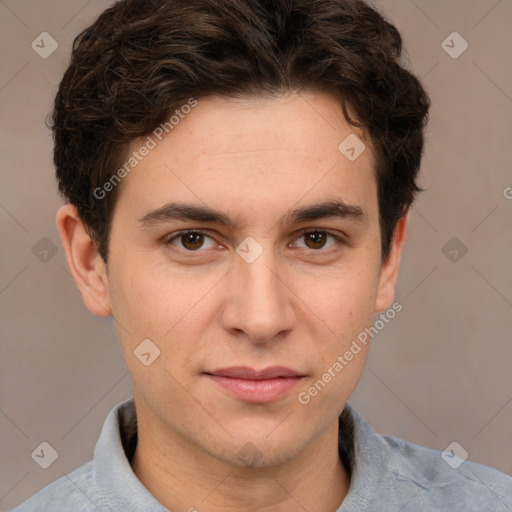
x=299 y=304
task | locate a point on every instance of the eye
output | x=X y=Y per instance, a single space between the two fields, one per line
x=316 y=239
x=190 y=240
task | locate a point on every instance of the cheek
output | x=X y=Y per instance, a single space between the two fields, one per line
x=341 y=355
x=346 y=303
x=166 y=306
x=346 y=307
x=149 y=299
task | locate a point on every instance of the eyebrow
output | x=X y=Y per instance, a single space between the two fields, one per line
x=318 y=211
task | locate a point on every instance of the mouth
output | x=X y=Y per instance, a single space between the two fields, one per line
x=257 y=386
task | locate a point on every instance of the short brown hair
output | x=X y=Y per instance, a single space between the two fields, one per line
x=142 y=59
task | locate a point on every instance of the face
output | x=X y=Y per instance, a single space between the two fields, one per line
x=260 y=279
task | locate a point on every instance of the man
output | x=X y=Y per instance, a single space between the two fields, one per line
x=238 y=176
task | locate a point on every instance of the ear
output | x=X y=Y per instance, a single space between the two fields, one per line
x=85 y=263
x=390 y=268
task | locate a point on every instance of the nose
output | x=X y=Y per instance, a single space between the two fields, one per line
x=260 y=300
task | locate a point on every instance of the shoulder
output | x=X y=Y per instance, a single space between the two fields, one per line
x=448 y=483
x=74 y=491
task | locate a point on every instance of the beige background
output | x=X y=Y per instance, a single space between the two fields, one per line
x=439 y=372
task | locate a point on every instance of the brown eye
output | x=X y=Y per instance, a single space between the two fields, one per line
x=192 y=241
x=315 y=239
x=189 y=240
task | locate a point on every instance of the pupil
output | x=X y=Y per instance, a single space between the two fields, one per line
x=189 y=240
x=315 y=237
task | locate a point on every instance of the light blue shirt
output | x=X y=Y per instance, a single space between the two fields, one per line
x=387 y=474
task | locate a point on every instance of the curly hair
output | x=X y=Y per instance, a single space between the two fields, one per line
x=142 y=59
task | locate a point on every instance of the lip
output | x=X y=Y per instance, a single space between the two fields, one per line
x=252 y=385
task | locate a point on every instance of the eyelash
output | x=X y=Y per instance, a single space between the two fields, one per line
x=339 y=240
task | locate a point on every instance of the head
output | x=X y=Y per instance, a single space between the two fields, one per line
x=229 y=118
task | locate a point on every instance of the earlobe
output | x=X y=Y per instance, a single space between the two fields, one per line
x=85 y=263
x=391 y=267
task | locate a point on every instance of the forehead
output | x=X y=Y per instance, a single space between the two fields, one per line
x=259 y=151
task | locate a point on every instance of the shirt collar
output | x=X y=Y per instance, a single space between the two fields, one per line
x=112 y=472
x=360 y=446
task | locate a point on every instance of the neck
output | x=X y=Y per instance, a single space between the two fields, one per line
x=183 y=477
